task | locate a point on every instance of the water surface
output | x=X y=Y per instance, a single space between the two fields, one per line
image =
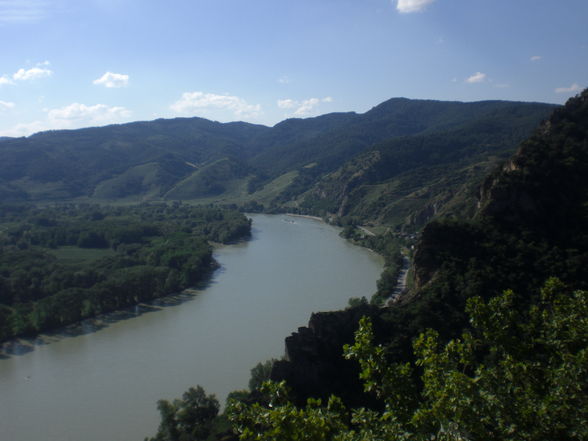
x=104 y=385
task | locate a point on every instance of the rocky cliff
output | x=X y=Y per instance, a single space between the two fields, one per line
x=313 y=364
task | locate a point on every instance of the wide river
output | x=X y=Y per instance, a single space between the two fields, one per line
x=103 y=384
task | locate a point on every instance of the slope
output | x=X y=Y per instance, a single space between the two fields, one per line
x=531 y=225
x=405 y=181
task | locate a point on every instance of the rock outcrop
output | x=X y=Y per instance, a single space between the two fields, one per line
x=314 y=365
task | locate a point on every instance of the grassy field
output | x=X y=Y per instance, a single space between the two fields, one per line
x=236 y=191
x=74 y=255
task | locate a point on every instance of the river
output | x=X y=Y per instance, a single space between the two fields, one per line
x=103 y=384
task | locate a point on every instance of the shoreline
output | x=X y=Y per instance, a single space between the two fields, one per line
x=22 y=345
x=306 y=216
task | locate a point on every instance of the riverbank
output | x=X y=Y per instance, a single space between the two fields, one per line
x=265 y=288
x=25 y=344
x=306 y=216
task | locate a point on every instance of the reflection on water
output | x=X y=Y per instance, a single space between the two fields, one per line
x=100 y=381
x=23 y=346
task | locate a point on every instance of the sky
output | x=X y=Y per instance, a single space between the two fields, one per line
x=66 y=64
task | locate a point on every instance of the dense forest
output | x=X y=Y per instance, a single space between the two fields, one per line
x=491 y=343
x=64 y=263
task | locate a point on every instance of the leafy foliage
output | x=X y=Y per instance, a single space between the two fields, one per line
x=517 y=375
x=187 y=419
x=260 y=374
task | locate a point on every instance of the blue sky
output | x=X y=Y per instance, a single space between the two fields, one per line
x=78 y=63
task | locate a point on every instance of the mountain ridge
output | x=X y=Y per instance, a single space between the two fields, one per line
x=145 y=160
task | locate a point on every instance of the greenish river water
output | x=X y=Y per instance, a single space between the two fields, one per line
x=90 y=384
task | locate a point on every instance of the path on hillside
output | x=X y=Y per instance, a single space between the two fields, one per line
x=366 y=231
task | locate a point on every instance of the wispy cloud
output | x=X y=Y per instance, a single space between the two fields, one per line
x=573 y=88
x=72 y=116
x=112 y=80
x=284 y=80
x=23 y=11
x=478 y=77
x=408 y=6
x=191 y=102
x=4 y=79
x=536 y=58
x=5 y=105
x=303 y=108
x=96 y=114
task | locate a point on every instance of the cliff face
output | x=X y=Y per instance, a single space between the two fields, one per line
x=540 y=195
x=314 y=365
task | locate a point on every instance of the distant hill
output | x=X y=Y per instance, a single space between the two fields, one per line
x=400 y=163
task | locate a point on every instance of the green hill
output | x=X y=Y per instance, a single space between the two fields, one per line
x=407 y=180
x=399 y=164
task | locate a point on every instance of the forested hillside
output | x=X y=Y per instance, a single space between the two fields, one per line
x=406 y=180
x=398 y=164
x=490 y=344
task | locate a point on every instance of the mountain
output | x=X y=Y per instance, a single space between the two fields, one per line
x=399 y=164
x=407 y=180
x=66 y=164
x=531 y=224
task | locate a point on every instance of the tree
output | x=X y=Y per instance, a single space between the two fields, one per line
x=188 y=419
x=260 y=374
x=517 y=374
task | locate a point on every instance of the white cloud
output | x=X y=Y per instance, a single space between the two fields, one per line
x=191 y=102
x=536 y=58
x=39 y=71
x=110 y=80
x=25 y=129
x=478 y=77
x=573 y=88
x=407 y=6
x=284 y=80
x=287 y=104
x=305 y=107
x=72 y=116
x=22 y=11
x=97 y=114
x=31 y=74
x=5 y=105
x=4 y=79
